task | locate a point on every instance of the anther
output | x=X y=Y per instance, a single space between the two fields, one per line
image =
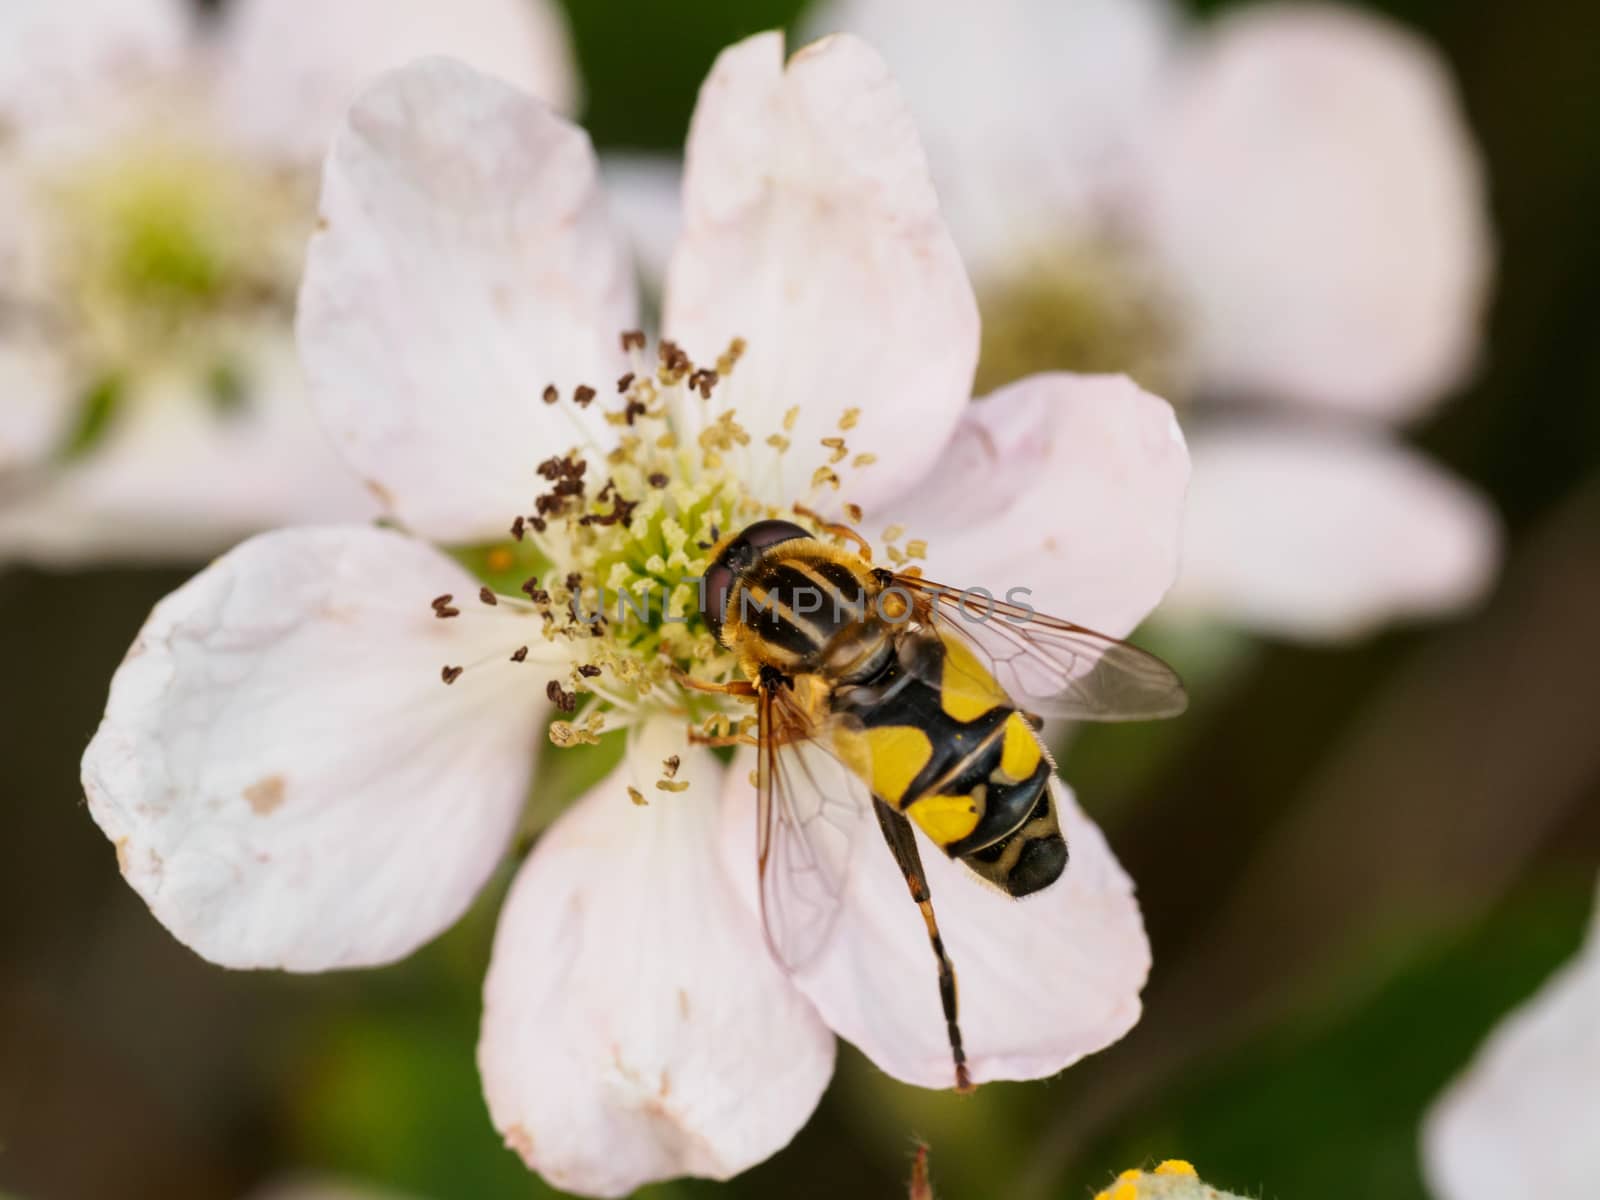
x=632 y=339
x=518 y=528
x=442 y=608
x=637 y=797
x=550 y=394
x=625 y=382
x=564 y=700
x=520 y=654
x=588 y=670
x=853 y=513
x=864 y=460
x=848 y=420
x=487 y=597
x=451 y=674
x=671 y=765
x=658 y=479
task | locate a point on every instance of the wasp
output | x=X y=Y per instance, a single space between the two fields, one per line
x=884 y=690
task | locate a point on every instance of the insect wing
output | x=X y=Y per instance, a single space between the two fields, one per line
x=1052 y=667
x=810 y=808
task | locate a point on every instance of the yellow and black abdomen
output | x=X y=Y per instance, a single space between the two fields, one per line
x=958 y=760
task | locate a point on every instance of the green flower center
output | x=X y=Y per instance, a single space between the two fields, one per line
x=1091 y=309
x=166 y=255
x=612 y=552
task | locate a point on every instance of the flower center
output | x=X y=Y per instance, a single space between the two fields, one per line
x=164 y=253
x=614 y=548
x=1089 y=307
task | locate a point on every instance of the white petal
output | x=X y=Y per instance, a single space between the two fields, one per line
x=466 y=261
x=56 y=60
x=1043 y=981
x=34 y=408
x=1323 y=534
x=1523 y=1119
x=174 y=480
x=286 y=779
x=635 y=1027
x=646 y=195
x=1071 y=486
x=290 y=68
x=1321 y=198
x=1030 y=109
x=811 y=229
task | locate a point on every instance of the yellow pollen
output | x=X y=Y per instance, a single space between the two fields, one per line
x=778 y=442
x=672 y=785
x=637 y=797
x=849 y=419
x=1177 y=1166
x=864 y=460
x=894 y=533
x=790 y=417
x=916 y=548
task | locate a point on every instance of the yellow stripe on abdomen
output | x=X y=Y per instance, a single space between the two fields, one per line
x=966 y=690
x=946 y=819
x=1019 y=752
x=888 y=757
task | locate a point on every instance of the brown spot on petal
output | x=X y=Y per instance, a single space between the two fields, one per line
x=665 y=1089
x=265 y=795
x=683 y=1004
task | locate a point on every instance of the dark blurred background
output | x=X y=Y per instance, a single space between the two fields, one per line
x=1351 y=861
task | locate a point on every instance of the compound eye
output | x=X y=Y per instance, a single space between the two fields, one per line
x=769 y=533
x=714 y=590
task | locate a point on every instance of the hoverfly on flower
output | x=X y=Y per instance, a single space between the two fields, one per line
x=885 y=690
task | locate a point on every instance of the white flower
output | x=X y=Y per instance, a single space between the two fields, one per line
x=1524 y=1118
x=157 y=185
x=289 y=784
x=1280 y=214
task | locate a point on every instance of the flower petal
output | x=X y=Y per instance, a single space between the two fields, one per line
x=1043 y=981
x=175 y=480
x=635 y=1027
x=1325 y=535
x=811 y=229
x=290 y=68
x=465 y=262
x=1322 y=201
x=1071 y=486
x=1521 y=1120
x=646 y=195
x=286 y=780
x=56 y=60
x=1030 y=109
x=33 y=408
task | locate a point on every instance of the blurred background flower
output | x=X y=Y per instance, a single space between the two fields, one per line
x=1353 y=862
x=158 y=173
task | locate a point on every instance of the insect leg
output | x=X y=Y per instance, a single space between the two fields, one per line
x=843 y=531
x=735 y=687
x=903 y=845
